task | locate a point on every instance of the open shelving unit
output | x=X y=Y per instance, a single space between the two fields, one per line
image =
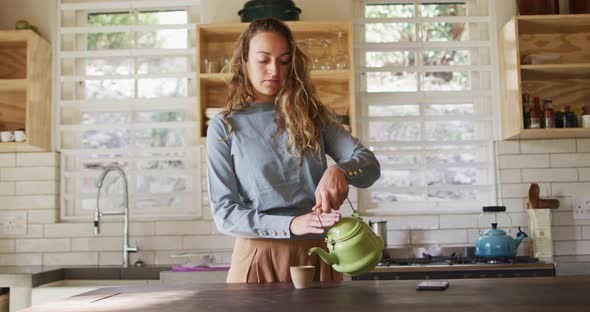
x=25 y=89
x=566 y=82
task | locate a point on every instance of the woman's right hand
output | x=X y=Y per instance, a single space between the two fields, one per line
x=309 y=223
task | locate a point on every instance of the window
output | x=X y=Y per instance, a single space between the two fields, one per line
x=425 y=80
x=127 y=95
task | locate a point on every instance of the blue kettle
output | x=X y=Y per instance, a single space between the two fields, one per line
x=494 y=243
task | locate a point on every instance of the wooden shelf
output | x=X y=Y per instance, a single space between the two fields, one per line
x=13 y=85
x=560 y=133
x=555 y=71
x=547 y=24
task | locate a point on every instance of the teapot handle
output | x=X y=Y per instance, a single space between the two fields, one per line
x=354 y=211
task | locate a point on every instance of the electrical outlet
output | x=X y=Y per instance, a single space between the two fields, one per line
x=581 y=207
x=13 y=223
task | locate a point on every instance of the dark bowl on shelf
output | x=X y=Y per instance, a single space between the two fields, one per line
x=284 y=10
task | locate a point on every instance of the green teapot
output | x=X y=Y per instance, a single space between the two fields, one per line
x=353 y=247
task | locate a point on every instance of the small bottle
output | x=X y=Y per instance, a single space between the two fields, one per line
x=534 y=119
x=571 y=121
x=548 y=114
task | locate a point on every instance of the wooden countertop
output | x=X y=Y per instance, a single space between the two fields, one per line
x=469 y=295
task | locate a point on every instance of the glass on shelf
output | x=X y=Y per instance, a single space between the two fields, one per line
x=324 y=61
x=341 y=58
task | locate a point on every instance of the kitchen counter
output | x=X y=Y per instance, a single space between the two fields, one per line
x=513 y=294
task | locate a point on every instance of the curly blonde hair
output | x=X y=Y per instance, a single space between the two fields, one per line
x=299 y=111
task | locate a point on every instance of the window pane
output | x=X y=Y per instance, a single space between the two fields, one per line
x=453 y=176
x=451 y=157
x=160 y=137
x=446 y=81
x=162 y=87
x=109 y=41
x=161 y=65
x=450 y=130
x=161 y=184
x=108 y=89
x=162 y=17
x=449 y=109
x=163 y=39
x=443 y=32
x=392 y=82
x=161 y=164
x=389 y=10
x=95 y=139
x=388 y=197
x=159 y=116
x=394 y=110
x=398 y=159
x=109 y=19
x=394 y=131
x=100 y=118
x=457 y=195
x=400 y=178
x=445 y=58
x=108 y=66
x=390 y=32
x=393 y=58
x=143 y=202
x=434 y=10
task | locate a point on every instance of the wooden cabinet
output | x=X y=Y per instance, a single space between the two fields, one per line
x=25 y=89
x=335 y=86
x=565 y=80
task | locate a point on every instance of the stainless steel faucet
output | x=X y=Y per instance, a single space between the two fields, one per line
x=125 y=213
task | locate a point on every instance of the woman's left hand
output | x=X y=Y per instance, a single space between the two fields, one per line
x=331 y=191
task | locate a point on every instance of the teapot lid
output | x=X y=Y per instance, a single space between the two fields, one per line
x=346 y=228
x=494 y=231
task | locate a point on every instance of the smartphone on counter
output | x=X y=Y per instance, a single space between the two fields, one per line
x=433 y=285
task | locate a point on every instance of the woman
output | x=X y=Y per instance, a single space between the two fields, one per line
x=266 y=160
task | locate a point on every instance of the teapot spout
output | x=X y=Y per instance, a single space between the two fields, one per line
x=520 y=236
x=328 y=258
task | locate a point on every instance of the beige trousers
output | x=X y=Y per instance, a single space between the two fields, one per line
x=268 y=260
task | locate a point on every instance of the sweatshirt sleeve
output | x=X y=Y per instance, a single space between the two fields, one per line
x=230 y=214
x=359 y=164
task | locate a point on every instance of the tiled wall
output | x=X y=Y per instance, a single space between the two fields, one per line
x=29 y=186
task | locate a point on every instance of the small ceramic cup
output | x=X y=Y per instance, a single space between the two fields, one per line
x=302 y=276
x=20 y=136
x=6 y=136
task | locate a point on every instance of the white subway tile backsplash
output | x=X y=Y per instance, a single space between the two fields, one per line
x=36 y=187
x=513 y=204
x=398 y=238
x=570 y=189
x=43 y=216
x=154 y=243
x=458 y=221
x=439 y=237
x=7 y=245
x=98 y=244
x=473 y=235
x=508 y=147
x=29 y=174
x=522 y=190
x=412 y=223
x=28 y=202
x=523 y=161
x=7 y=188
x=69 y=230
x=583 y=146
x=586 y=232
x=566 y=233
x=135 y=229
x=510 y=176
x=116 y=258
x=7 y=160
x=22 y=259
x=183 y=227
x=570 y=160
x=70 y=258
x=43 y=245
x=208 y=242
x=583 y=174
x=572 y=248
x=37 y=159
x=550 y=175
x=547 y=146
x=559 y=218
